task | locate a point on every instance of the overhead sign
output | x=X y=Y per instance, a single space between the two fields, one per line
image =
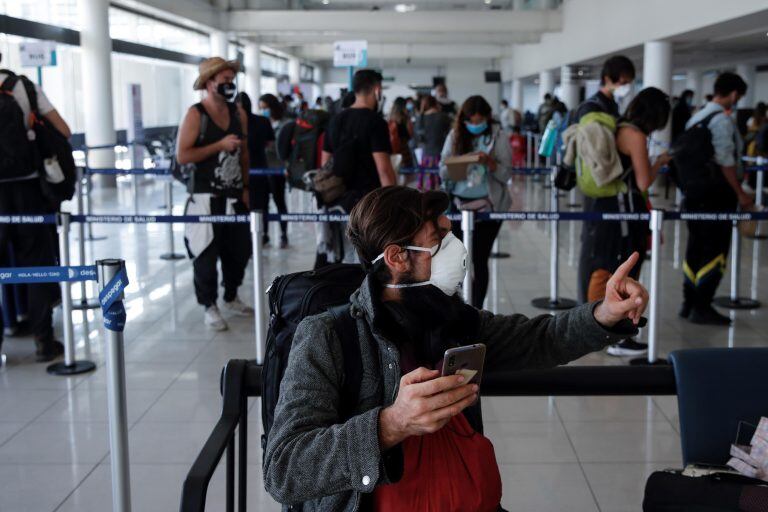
x=350 y=54
x=35 y=54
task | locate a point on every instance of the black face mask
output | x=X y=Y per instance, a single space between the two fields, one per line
x=227 y=90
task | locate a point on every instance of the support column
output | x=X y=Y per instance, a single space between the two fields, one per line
x=294 y=71
x=693 y=82
x=219 y=44
x=253 y=71
x=569 y=85
x=96 y=72
x=657 y=72
x=546 y=84
x=518 y=5
x=747 y=72
x=516 y=101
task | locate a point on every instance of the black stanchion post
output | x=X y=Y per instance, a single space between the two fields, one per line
x=554 y=301
x=70 y=366
x=116 y=400
x=657 y=219
x=171 y=254
x=468 y=228
x=734 y=301
x=259 y=303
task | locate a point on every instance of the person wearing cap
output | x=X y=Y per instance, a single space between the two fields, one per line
x=413 y=439
x=211 y=146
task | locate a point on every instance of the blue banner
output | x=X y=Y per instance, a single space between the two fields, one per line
x=161 y=219
x=28 y=219
x=18 y=275
x=112 y=307
x=267 y=172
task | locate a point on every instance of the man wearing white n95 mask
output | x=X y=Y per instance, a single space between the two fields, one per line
x=413 y=435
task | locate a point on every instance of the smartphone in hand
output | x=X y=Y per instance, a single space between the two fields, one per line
x=467 y=361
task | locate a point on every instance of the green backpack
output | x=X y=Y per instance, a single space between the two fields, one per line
x=584 y=178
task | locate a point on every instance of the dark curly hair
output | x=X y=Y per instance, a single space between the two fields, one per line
x=391 y=216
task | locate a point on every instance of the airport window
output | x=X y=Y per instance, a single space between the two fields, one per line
x=127 y=25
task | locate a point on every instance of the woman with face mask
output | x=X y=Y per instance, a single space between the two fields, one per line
x=401 y=132
x=485 y=187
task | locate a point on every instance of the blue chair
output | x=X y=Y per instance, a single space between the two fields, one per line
x=716 y=389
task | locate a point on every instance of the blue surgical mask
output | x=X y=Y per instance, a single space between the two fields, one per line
x=265 y=112
x=409 y=106
x=476 y=129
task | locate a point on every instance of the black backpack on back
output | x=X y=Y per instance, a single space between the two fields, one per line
x=693 y=154
x=761 y=141
x=17 y=153
x=183 y=172
x=306 y=145
x=293 y=297
x=52 y=144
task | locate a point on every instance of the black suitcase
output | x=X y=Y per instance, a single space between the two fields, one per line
x=671 y=491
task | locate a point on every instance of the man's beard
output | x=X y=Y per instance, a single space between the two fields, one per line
x=436 y=321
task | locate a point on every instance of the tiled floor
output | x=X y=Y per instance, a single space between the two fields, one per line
x=555 y=454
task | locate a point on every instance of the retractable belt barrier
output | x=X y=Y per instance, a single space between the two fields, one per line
x=242 y=379
x=468 y=220
x=113 y=279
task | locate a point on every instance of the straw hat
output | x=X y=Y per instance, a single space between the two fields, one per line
x=209 y=68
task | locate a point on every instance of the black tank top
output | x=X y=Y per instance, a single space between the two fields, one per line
x=218 y=174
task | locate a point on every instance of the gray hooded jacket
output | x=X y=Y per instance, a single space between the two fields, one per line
x=313 y=456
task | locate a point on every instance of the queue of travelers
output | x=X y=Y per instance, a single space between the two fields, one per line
x=225 y=135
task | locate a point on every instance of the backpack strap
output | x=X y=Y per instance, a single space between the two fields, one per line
x=9 y=83
x=204 y=118
x=345 y=326
x=705 y=122
x=29 y=88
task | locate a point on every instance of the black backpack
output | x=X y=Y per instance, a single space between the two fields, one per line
x=761 y=141
x=183 y=172
x=693 y=154
x=293 y=297
x=17 y=153
x=51 y=144
x=305 y=145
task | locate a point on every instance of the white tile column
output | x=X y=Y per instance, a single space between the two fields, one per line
x=253 y=71
x=96 y=50
x=657 y=72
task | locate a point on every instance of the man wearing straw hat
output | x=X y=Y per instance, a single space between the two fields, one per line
x=212 y=150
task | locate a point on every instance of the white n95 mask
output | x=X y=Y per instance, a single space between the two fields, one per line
x=448 y=266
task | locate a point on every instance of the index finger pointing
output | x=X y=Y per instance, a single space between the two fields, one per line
x=624 y=268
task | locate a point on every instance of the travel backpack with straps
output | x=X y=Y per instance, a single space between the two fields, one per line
x=18 y=157
x=183 y=172
x=306 y=146
x=585 y=177
x=693 y=155
x=58 y=172
x=294 y=297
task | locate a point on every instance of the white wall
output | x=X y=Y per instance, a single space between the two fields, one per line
x=592 y=28
x=463 y=79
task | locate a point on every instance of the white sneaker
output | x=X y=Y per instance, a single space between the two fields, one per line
x=238 y=307
x=214 y=320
